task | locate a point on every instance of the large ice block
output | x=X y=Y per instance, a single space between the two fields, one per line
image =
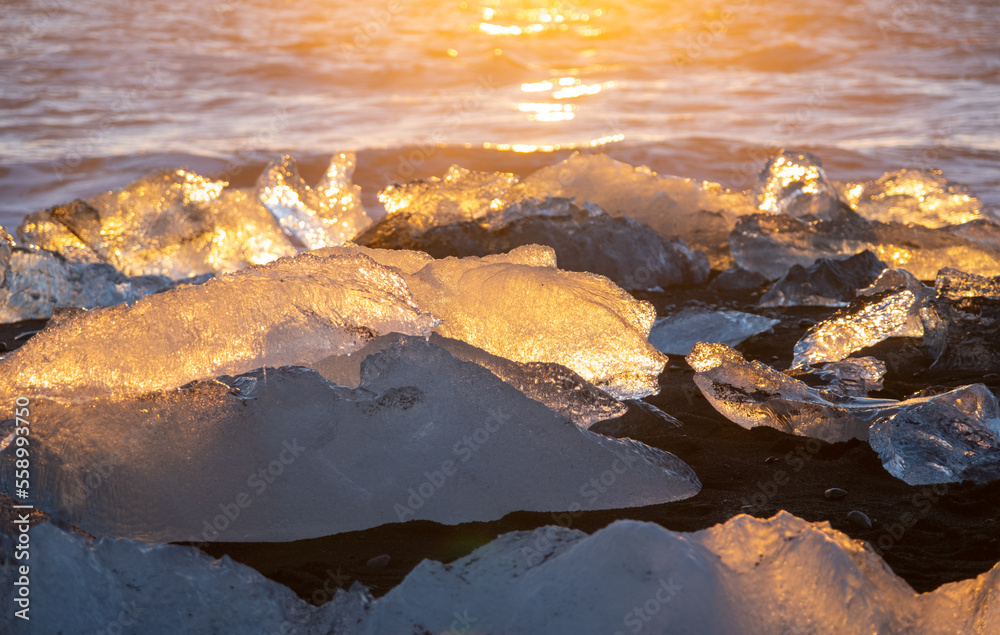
x=584 y=237
x=329 y=214
x=771 y=243
x=294 y=310
x=795 y=184
x=554 y=385
x=675 y=334
x=827 y=282
x=519 y=306
x=918 y=196
x=945 y=438
x=962 y=321
x=752 y=394
x=292 y=456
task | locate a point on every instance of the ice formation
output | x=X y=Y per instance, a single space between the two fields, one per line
x=294 y=310
x=962 y=321
x=827 y=282
x=583 y=236
x=246 y=458
x=329 y=214
x=125 y=586
x=917 y=196
x=748 y=575
x=520 y=307
x=945 y=438
x=677 y=333
x=771 y=243
x=795 y=184
x=752 y=394
x=554 y=385
x=852 y=377
x=460 y=195
x=173 y=223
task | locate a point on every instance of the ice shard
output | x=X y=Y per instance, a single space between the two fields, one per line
x=121 y=585
x=675 y=334
x=771 y=243
x=584 y=237
x=795 y=184
x=329 y=214
x=747 y=575
x=827 y=282
x=918 y=196
x=945 y=438
x=962 y=321
x=554 y=385
x=752 y=394
x=40 y=230
x=851 y=377
x=520 y=307
x=425 y=436
x=294 y=310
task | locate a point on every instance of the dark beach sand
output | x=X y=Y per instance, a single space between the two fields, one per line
x=927 y=535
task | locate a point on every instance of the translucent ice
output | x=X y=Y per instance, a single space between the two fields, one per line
x=294 y=310
x=771 y=243
x=962 y=321
x=752 y=394
x=121 y=585
x=920 y=197
x=554 y=385
x=425 y=436
x=794 y=183
x=519 y=306
x=584 y=238
x=677 y=333
x=946 y=438
x=748 y=575
x=827 y=282
x=329 y=214
x=852 y=377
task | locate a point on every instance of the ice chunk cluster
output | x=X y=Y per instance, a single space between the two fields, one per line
x=246 y=458
x=962 y=321
x=946 y=438
x=676 y=334
x=289 y=311
x=554 y=385
x=584 y=237
x=520 y=307
x=827 y=282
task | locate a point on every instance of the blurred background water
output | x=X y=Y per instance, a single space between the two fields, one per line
x=95 y=93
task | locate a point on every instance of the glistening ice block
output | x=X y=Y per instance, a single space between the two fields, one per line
x=295 y=310
x=282 y=454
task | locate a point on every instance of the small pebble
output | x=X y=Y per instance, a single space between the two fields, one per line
x=772 y=459
x=378 y=562
x=834 y=494
x=860 y=519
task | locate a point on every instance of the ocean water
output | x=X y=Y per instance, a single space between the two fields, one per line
x=95 y=93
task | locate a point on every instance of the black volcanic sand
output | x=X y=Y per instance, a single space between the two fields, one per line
x=929 y=535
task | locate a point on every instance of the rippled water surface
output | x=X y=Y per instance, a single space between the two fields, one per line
x=96 y=92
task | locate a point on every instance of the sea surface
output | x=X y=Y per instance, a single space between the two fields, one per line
x=94 y=93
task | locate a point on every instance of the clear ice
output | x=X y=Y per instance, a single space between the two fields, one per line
x=425 y=436
x=917 y=196
x=945 y=438
x=827 y=282
x=962 y=321
x=325 y=216
x=676 y=334
x=292 y=311
x=795 y=184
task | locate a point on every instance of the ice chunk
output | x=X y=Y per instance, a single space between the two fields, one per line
x=519 y=306
x=677 y=333
x=737 y=279
x=294 y=310
x=425 y=436
x=852 y=377
x=109 y=585
x=771 y=243
x=827 y=282
x=329 y=215
x=794 y=183
x=752 y=394
x=554 y=385
x=945 y=438
x=583 y=236
x=748 y=575
x=702 y=213
x=918 y=196
x=38 y=282
x=40 y=230
x=962 y=321
x=461 y=195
